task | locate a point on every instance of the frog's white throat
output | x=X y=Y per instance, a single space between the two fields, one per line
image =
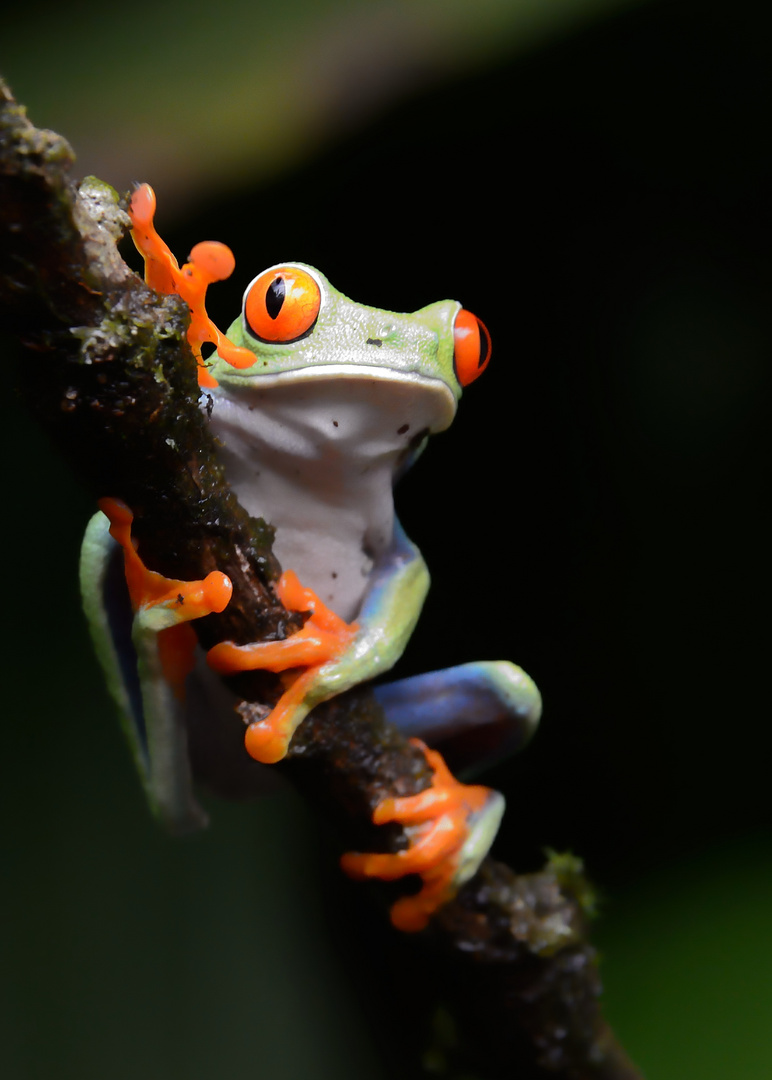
x=315 y=453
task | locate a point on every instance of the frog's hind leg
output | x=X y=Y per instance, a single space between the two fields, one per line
x=107 y=607
x=476 y=713
x=484 y=709
x=138 y=645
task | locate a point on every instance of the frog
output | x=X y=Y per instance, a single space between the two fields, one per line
x=319 y=405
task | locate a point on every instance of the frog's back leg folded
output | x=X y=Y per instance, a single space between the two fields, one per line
x=127 y=645
x=476 y=714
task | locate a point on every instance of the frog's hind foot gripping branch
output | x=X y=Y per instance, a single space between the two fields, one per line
x=450 y=826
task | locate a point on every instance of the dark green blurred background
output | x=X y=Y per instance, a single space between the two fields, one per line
x=593 y=180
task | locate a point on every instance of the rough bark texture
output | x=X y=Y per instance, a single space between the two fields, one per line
x=109 y=374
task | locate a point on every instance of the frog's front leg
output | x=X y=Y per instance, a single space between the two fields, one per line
x=147 y=673
x=329 y=656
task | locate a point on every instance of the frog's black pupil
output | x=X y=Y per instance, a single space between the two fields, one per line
x=274 y=297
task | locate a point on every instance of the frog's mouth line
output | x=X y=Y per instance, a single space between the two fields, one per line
x=361 y=373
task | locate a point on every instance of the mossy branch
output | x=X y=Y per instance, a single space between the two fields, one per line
x=107 y=371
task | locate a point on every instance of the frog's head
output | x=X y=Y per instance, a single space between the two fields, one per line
x=300 y=328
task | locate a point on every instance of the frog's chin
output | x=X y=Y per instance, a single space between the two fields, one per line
x=356 y=376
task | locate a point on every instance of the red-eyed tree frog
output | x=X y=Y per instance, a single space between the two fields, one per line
x=319 y=404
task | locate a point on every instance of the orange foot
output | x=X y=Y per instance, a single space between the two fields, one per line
x=166 y=605
x=450 y=826
x=209 y=261
x=324 y=637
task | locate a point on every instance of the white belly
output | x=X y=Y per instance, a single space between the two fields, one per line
x=317 y=459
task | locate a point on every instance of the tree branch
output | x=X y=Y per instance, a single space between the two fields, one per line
x=108 y=372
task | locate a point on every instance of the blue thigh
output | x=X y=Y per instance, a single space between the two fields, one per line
x=476 y=713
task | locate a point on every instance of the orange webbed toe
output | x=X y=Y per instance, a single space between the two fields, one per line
x=322 y=639
x=209 y=261
x=437 y=823
x=180 y=601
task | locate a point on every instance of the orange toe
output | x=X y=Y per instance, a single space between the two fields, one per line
x=209 y=261
x=437 y=823
x=183 y=600
x=323 y=639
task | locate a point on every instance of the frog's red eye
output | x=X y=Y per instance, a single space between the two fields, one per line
x=282 y=304
x=471 y=347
